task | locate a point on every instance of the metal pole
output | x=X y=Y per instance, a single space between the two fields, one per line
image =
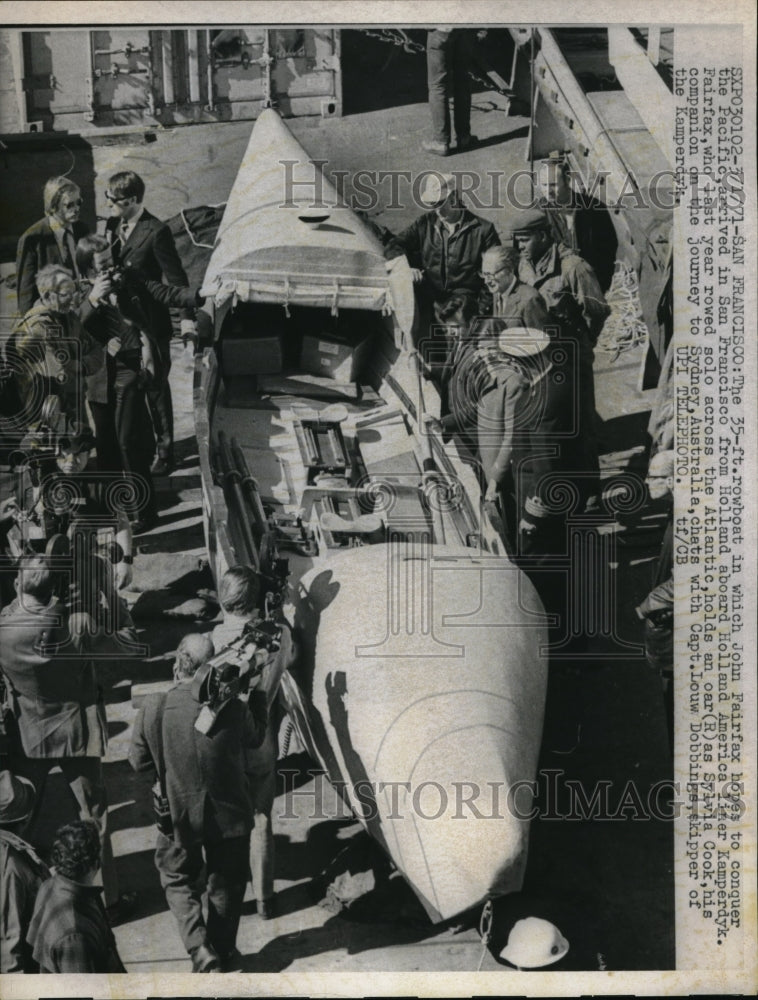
x=211 y=106
x=193 y=65
x=654 y=45
x=532 y=109
x=250 y=486
x=19 y=71
x=266 y=62
x=167 y=67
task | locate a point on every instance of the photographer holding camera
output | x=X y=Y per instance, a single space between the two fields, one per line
x=112 y=312
x=50 y=351
x=240 y=598
x=196 y=742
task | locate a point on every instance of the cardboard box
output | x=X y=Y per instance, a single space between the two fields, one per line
x=245 y=355
x=327 y=357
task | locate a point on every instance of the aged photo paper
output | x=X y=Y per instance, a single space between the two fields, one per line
x=639 y=777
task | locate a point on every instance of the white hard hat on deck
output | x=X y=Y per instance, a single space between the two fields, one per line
x=534 y=942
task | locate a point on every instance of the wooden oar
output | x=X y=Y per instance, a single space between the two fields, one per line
x=430 y=472
x=250 y=487
x=232 y=485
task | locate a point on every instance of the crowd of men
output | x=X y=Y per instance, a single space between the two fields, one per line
x=518 y=322
x=92 y=412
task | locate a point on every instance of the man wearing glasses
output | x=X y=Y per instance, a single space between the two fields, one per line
x=142 y=242
x=52 y=240
x=512 y=300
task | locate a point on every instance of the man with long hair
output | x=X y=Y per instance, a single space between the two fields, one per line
x=52 y=240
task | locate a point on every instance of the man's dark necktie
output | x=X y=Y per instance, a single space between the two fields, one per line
x=69 y=252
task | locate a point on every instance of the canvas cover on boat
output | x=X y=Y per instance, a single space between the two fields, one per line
x=270 y=248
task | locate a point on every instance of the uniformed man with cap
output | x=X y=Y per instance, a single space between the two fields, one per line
x=528 y=435
x=565 y=280
x=444 y=246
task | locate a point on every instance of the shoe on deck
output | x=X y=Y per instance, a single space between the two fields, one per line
x=161 y=466
x=205 y=959
x=145 y=523
x=438 y=148
x=230 y=960
x=123 y=908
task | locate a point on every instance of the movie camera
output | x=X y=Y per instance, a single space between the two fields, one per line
x=231 y=671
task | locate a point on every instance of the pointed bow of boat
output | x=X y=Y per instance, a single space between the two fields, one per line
x=430 y=684
x=288 y=237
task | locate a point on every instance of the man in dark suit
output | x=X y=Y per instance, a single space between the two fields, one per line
x=52 y=240
x=57 y=701
x=145 y=244
x=201 y=774
x=577 y=220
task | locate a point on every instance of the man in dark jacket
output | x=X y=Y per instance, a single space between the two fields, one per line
x=201 y=771
x=57 y=700
x=69 y=931
x=52 y=240
x=116 y=392
x=144 y=243
x=444 y=246
x=21 y=873
x=565 y=280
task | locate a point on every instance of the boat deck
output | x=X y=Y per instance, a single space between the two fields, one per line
x=377 y=438
x=379 y=486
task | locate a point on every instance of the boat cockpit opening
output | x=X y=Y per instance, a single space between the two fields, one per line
x=303 y=398
x=326 y=355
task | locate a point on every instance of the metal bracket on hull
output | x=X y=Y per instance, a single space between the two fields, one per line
x=322 y=447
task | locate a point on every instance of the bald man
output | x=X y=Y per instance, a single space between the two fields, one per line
x=202 y=779
x=660 y=475
x=512 y=300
